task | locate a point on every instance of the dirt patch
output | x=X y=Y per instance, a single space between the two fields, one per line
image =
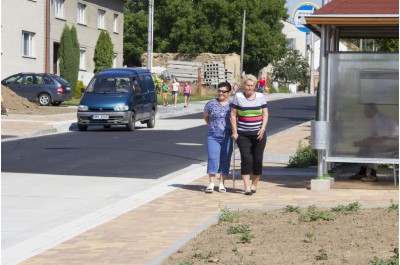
x=282 y=238
x=19 y=105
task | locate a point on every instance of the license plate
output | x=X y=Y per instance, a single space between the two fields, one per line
x=99 y=117
x=68 y=88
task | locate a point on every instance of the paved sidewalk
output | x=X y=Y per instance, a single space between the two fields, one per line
x=150 y=232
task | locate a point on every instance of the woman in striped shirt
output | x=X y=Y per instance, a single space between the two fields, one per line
x=249 y=117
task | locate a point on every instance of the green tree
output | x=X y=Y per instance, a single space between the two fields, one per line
x=215 y=26
x=75 y=58
x=66 y=60
x=103 y=52
x=293 y=68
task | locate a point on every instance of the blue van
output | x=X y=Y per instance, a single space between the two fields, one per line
x=119 y=96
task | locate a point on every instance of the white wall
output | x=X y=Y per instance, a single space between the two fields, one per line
x=17 y=16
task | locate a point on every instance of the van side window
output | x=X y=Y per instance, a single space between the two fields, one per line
x=150 y=83
x=143 y=85
x=136 y=86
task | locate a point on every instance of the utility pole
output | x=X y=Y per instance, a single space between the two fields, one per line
x=150 y=36
x=242 y=48
x=312 y=85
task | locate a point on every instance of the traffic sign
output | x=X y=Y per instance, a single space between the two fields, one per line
x=303 y=9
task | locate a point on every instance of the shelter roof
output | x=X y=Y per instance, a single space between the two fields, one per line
x=357 y=18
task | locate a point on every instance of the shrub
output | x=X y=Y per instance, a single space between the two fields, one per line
x=103 y=52
x=305 y=156
x=78 y=92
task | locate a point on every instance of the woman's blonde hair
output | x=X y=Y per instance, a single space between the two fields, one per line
x=249 y=77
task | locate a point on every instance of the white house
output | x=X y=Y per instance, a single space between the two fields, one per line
x=31 y=31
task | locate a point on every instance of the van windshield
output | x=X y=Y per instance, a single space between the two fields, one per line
x=109 y=85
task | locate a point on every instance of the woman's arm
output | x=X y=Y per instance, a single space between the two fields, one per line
x=261 y=132
x=233 y=123
x=206 y=117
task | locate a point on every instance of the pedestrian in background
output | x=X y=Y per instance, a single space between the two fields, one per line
x=235 y=88
x=186 y=94
x=164 y=93
x=175 y=90
x=249 y=117
x=219 y=143
x=261 y=85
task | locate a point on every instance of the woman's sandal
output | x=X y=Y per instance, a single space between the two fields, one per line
x=210 y=188
x=248 y=193
x=221 y=188
x=253 y=191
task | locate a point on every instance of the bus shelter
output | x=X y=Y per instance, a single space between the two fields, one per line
x=358 y=110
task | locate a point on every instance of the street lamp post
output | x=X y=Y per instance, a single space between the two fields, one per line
x=242 y=48
x=150 y=36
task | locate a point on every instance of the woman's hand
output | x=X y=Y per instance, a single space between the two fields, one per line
x=235 y=136
x=260 y=134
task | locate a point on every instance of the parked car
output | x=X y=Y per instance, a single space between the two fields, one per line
x=119 y=96
x=45 y=88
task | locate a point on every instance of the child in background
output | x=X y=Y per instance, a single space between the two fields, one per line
x=235 y=88
x=186 y=93
x=164 y=93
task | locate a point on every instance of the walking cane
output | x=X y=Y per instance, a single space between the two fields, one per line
x=234 y=160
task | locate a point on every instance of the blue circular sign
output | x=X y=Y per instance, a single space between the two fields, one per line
x=304 y=9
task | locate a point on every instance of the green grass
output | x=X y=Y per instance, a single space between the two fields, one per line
x=394 y=260
x=291 y=209
x=239 y=229
x=181 y=99
x=352 y=207
x=313 y=214
x=227 y=216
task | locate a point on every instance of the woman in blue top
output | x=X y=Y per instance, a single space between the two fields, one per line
x=219 y=145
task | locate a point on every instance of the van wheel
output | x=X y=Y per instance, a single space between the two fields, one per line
x=131 y=124
x=44 y=99
x=82 y=128
x=56 y=103
x=152 y=122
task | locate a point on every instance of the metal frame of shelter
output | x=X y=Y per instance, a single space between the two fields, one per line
x=330 y=28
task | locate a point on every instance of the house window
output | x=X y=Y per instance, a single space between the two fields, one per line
x=115 y=61
x=100 y=19
x=291 y=44
x=81 y=14
x=59 y=6
x=28 y=44
x=82 y=59
x=116 y=23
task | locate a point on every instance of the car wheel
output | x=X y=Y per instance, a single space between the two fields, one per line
x=44 y=99
x=131 y=124
x=56 y=103
x=82 y=128
x=152 y=122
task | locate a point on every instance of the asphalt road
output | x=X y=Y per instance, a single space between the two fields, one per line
x=148 y=154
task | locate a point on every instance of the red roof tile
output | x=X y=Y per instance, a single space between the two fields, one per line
x=359 y=7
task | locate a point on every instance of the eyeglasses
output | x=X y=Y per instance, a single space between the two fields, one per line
x=223 y=91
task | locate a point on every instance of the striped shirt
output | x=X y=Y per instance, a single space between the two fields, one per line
x=249 y=113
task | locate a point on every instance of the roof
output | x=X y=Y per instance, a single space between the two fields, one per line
x=358 y=18
x=360 y=7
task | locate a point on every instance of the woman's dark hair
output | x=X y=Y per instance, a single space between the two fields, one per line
x=225 y=84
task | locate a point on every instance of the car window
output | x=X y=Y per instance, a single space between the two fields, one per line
x=150 y=83
x=29 y=79
x=48 y=80
x=143 y=85
x=136 y=86
x=15 y=79
x=60 y=79
x=123 y=84
x=38 y=80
